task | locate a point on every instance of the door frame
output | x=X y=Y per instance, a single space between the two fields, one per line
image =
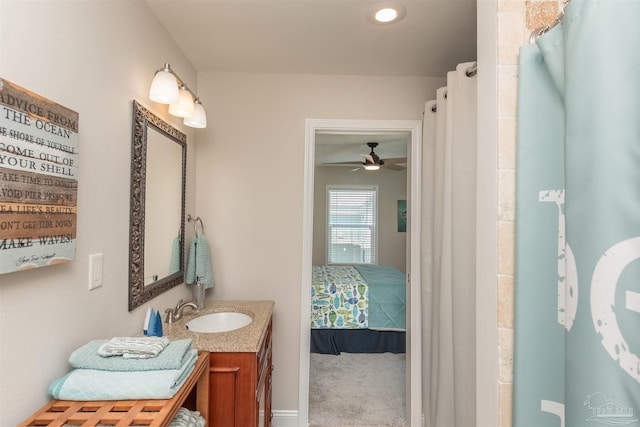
x=414 y=202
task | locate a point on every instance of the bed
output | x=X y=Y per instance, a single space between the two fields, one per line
x=358 y=309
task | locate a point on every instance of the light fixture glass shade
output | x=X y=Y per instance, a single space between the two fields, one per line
x=184 y=107
x=372 y=167
x=199 y=118
x=164 y=88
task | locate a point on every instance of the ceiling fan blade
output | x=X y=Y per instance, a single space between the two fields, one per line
x=396 y=160
x=351 y=163
x=393 y=167
x=369 y=158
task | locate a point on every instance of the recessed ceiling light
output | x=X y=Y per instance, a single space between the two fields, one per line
x=388 y=12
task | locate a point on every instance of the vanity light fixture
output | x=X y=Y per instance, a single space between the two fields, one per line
x=168 y=88
x=184 y=107
x=199 y=118
x=387 y=12
x=164 y=87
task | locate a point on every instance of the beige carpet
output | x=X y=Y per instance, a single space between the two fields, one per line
x=364 y=390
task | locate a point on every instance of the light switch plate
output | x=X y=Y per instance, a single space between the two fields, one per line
x=95 y=271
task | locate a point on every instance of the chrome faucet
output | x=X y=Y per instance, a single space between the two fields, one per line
x=176 y=313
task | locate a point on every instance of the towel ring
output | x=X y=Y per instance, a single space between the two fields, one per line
x=195 y=221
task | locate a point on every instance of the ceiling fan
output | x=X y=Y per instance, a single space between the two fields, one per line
x=372 y=162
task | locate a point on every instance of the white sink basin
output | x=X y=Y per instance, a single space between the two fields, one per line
x=224 y=321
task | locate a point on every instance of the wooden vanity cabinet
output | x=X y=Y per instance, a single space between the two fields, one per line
x=240 y=387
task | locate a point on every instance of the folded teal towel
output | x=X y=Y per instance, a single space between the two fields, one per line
x=199 y=263
x=173 y=356
x=91 y=384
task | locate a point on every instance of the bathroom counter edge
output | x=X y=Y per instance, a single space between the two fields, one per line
x=244 y=340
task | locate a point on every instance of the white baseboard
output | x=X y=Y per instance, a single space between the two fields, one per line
x=284 y=418
x=290 y=419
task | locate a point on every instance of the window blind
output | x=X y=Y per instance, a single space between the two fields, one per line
x=351 y=228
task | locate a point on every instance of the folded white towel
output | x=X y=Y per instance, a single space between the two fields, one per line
x=133 y=347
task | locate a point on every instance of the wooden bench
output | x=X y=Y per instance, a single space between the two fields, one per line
x=125 y=413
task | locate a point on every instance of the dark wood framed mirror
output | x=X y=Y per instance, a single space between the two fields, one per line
x=157 y=212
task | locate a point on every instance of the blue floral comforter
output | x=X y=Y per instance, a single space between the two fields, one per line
x=358 y=297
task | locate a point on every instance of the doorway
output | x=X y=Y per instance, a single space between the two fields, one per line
x=413 y=349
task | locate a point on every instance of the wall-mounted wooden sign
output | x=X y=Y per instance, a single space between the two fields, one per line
x=38 y=180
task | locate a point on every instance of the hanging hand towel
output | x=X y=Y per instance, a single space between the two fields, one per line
x=199 y=264
x=174 y=262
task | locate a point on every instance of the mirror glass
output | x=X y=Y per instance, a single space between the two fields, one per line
x=158 y=177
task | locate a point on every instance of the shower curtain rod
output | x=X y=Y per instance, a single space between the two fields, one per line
x=470 y=72
x=538 y=32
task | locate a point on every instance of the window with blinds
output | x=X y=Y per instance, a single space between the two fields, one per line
x=351 y=224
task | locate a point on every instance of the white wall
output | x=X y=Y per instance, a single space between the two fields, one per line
x=491 y=409
x=392 y=186
x=250 y=171
x=94 y=57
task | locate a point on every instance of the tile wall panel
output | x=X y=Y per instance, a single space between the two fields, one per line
x=516 y=21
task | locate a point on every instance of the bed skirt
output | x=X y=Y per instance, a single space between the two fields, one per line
x=335 y=341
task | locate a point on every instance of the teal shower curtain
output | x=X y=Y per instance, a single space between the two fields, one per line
x=577 y=289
